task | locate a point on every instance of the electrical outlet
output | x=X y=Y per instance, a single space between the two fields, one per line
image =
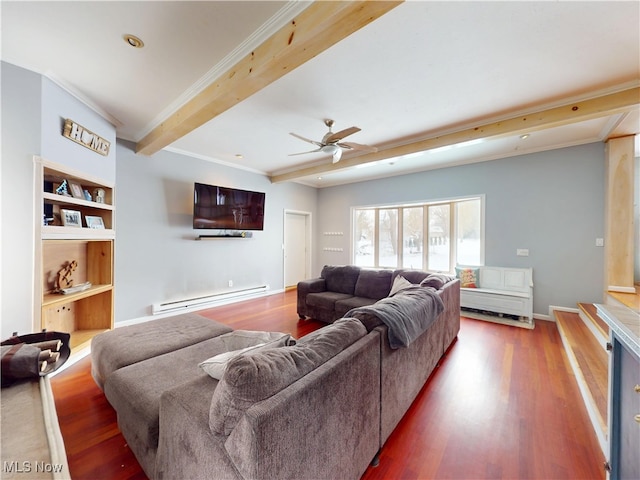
x=522 y=252
x=231 y=283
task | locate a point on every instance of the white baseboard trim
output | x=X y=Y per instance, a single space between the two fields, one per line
x=621 y=289
x=555 y=308
x=196 y=308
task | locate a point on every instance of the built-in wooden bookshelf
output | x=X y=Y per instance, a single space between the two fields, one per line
x=88 y=312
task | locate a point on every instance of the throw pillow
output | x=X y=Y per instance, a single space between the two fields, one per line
x=242 y=341
x=373 y=283
x=399 y=284
x=468 y=277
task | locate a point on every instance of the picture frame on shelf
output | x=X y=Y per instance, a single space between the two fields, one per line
x=94 y=222
x=71 y=218
x=76 y=190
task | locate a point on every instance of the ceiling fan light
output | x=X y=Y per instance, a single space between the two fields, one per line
x=337 y=154
x=333 y=150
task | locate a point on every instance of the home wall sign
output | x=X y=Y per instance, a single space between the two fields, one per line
x=86 y=138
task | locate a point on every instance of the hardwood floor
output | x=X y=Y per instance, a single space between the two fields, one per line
x=502 y=404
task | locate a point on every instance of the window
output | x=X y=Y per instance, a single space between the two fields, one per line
x=434 y=236
x=388 y=243
x=364 y=237
x=439 y=232
x=468 y=232
x=412 y=237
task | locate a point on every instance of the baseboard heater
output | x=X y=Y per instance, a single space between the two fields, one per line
x=158 y=308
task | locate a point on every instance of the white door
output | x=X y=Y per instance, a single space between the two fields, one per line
x=296 y=247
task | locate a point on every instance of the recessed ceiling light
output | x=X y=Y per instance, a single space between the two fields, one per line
x=525 y=136
x=239 y=156
x=319 y=178
x=132 y=40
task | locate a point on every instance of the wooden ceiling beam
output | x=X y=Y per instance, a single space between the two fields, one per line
x=314 y=30
x=534 y=121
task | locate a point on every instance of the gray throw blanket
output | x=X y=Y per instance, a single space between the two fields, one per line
x=408 y=313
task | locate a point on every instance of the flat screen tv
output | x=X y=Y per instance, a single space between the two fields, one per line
x=224 y=208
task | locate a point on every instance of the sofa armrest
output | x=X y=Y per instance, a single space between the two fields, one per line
x=450 y=295
x=305 y=287
x=314 y=285
x=278 y=438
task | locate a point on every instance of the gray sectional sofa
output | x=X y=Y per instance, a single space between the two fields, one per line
x=343 y=289
x=320 y=408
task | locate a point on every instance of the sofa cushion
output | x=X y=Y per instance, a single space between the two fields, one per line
x=373 y=283
x=326 y=300
x=414 y=276
x=436 y=280
x=134 y=391
x=239 y=342
x=343 y=306
x=256 y=376
x=124 y=346
x=340 y=278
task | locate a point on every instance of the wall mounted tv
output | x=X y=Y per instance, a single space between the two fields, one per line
x=223 y=208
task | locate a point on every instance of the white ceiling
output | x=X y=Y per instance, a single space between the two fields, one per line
x=423 y=69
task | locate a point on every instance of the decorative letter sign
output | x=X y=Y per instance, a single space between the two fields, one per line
x=85 y=137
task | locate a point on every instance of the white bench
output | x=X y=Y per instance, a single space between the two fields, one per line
x=503 y=291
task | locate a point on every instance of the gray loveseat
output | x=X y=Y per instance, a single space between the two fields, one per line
x=321 y=408
x=340 y=288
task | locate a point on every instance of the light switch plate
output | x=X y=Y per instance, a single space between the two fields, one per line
x=599 y=242
x=522 y=252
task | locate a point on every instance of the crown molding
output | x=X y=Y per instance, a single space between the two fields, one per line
x=50 y=75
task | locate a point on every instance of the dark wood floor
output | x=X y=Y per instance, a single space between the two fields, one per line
x=502 y=404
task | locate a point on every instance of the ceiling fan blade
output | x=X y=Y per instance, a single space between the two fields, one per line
x=306 y=139
x=304 y=153
x=336 y=137
x=358 y=146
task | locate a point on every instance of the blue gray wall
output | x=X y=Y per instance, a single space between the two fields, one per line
x=551 y=203
x=21 y=99
x=157 y=258
x=33 y=113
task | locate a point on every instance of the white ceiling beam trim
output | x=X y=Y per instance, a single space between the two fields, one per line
x=580 y=111
x=320 y=26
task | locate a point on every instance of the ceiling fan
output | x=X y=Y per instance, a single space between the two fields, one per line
x=332 y=142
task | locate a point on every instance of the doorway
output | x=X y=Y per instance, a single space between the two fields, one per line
x=297 y=247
